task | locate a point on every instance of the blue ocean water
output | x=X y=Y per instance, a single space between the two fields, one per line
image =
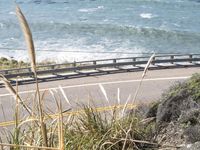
x=123 y=26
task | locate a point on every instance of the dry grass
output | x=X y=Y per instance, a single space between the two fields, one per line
x=31 y=51
x=28 y=37
x=13 y=92
x=143 y=76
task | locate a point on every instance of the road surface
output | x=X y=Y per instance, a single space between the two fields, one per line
x=86 y=90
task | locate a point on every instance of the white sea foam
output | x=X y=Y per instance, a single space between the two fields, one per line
x=91 y=9
x=1 y=25
x=73 y=54
x=76 y=50
x=146 y=15
x=176 y=24
x=12 y=13
x=61 y=57
x=4 y=55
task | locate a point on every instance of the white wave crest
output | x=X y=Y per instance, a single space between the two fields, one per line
x=11 y=13
x=146 y=15
x=72 y=54
x=91 y=9
x=61 y=51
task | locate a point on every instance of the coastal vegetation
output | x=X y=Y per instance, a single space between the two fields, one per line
x=10 y=63
x=6 y=63
x=171 y=123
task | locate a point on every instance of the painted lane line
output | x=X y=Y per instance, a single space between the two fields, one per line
x=78 y=112
x=103 y=83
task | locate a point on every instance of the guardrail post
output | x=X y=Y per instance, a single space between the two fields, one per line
x=114 y=62
x=32 y=76
x=190 y=56
x=172 y=57
x=134 y=60
x=154 y=58
x=94 y=63
x=74 y=64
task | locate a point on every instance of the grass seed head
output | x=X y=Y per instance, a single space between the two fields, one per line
x=28 y=37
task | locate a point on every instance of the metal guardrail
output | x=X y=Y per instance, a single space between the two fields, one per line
x=102 y=63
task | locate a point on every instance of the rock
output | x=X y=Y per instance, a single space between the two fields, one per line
x=171 y=134
x=152 y=112
x=191 y=121
x=171 y=107
x=191 y=117
x=192 y=133
x=195 y=146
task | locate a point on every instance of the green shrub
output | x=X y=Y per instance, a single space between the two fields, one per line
x=191 y=88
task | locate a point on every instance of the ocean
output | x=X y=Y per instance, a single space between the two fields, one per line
x=74 y=30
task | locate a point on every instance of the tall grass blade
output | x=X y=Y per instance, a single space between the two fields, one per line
x=147 y=65
x=104 y=92
x=125 y=106
x=27 y=121
x=64 y=95
x=1 y=147
x=17 y=119
x=118 y=96
x=28 y=37
x=60 y=125
x=13 y=92
x=31 y=50
x=3 y=112
x=143 y=75
x=60 y=121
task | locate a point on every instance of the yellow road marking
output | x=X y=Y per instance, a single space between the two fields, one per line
x=81 y=111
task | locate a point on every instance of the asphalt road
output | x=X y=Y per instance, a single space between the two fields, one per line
x=86 y=90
